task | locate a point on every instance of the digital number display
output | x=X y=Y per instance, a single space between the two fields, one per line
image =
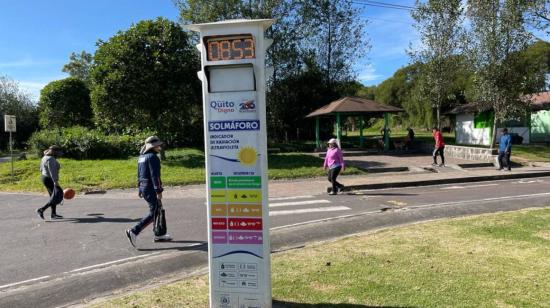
x=236 y=47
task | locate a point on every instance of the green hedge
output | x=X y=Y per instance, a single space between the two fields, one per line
x=83 y=143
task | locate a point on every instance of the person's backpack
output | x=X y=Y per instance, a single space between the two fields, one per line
x=159 y=227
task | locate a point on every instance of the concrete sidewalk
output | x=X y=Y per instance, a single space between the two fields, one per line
x=417 y=176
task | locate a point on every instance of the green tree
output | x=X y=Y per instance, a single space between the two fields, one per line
x=306 y=47
x=13 y=101
x=65 y=103
x=199 y=11
x=79 y=65
x=396 y=89
x=498 y=37
x=146 y=78
x=438 y=23
x=367 y=92
x=333 y=32
x=534 y=63
x=538 y=14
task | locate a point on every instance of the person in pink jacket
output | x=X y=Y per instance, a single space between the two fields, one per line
x=334 y=161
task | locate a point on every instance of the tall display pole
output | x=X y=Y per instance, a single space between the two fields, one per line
x=10 y=126
x=233 y=87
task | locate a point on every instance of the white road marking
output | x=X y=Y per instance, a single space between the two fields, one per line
x=312 y=210
x=291 y=198
x=298 y=203
x=481 y=200
x=22 y=282
x=469 y=186
x=112 y=262
x=528 y=181
x=79 y=270
x=511 y=181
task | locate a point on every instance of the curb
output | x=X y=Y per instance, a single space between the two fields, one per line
x=509 y=176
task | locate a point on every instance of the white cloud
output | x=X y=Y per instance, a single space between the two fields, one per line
x=33 y=87
x=24 y=62
x=368 y=74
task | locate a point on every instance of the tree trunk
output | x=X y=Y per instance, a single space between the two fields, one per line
x=494 y=133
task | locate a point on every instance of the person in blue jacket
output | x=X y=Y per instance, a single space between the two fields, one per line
x=150 y=186
x=505 y=150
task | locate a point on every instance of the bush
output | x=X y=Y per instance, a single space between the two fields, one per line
x=83 y=143
x=65 y=103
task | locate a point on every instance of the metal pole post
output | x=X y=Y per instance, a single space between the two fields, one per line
x=11 y=155
x=386 y=133
x=317 y=134
x=361 y=143
x=338 y=128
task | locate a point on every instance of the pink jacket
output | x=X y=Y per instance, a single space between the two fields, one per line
x=334 y=158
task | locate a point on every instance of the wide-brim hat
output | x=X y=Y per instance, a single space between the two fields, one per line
x=53 y=150
x=151 y=142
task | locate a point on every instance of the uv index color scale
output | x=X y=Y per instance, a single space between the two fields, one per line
x=231 y=47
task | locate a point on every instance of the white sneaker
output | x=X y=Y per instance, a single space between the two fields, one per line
x=162 y=238
x=131 y=237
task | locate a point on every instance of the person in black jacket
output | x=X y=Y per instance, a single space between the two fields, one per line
x=49 y=170
x=150 y=187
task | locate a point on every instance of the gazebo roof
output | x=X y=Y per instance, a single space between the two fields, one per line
x=355 y=105
x=537 y=101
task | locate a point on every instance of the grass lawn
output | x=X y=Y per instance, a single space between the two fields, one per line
x=181 y=167
x=494 y=260
x=538 y=153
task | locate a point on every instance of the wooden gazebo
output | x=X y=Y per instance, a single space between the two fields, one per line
x=353 y=106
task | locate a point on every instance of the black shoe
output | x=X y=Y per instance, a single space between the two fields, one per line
x=341 y=188
x=332 y=193
x=55 y=216
x=131 y=237
x=40 y=213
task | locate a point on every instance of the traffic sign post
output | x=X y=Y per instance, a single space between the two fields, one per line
x=11 y=127
x=233 y=84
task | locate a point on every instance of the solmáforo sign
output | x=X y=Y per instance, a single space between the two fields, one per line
x=233 y=84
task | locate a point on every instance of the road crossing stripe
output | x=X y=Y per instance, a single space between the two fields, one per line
x=298 y=203
x=312 y=210
x=290 y=198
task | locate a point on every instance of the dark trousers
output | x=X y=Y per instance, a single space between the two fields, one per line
x=332 y=175
x=55 y=192
x=150 y=195
x=506 y=157
x=440 y=152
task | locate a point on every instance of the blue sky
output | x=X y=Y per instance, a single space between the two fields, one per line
x=37 y=37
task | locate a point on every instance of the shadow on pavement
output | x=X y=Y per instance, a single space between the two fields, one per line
x=364 y=164
x=187 y=245
x=95 y=219
x=280 y=304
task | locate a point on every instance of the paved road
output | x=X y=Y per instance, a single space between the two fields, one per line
x=91 y=238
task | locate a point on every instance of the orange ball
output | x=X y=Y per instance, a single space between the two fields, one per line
x=68 y=193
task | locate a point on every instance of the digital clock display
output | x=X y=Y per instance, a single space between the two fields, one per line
x=235 y=47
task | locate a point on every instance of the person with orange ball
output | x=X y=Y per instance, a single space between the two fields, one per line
x=49 y=170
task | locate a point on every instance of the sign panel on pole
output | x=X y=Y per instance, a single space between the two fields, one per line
x=9 y=124
x=233 y=79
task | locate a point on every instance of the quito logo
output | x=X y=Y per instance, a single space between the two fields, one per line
x=247 y=106
x=223 y=106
